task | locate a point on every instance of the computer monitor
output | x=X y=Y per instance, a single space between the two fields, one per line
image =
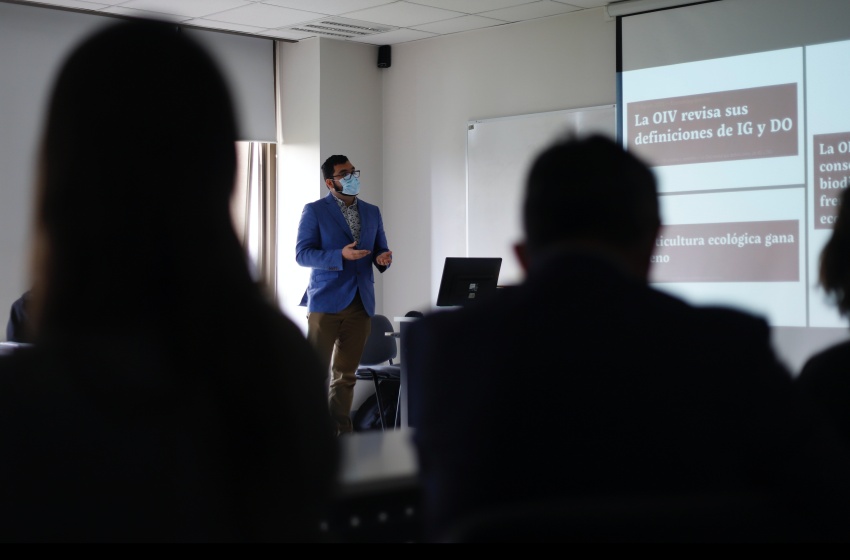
x=467 y=279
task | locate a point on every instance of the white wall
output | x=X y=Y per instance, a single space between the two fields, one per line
x=29 y=61
x=298 y=160
x=433 y=88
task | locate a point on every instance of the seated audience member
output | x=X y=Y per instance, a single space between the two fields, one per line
x=584 y=386
x=825 y=376
x=18 y=327
x=165 y=399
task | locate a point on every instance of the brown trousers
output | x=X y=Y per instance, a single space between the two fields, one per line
x=339 y=339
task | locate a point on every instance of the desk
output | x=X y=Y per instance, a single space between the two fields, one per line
x=381 y=460
x=379 y=497
x=402 y=391
x=377 y=461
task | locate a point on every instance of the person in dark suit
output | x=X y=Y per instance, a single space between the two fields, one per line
x=584 y=386
x=825 y=377
x=340 y=237
x=18 y=327
x=165 y=399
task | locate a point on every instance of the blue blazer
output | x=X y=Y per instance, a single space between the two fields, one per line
x=322 y=233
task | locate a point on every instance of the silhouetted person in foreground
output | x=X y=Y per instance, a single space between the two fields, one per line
x=825 y=376
x=585 y=390
x=18 y=326
x=165 y=400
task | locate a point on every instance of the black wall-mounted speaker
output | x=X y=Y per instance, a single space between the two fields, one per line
x=384 y=56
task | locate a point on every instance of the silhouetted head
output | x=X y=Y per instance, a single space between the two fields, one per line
x=834 y=271
x=590 y=194
x=136 y=172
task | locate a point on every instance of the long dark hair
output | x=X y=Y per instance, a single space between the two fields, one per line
x=137 y=169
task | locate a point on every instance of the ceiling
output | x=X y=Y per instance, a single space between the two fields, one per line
x=376 y=22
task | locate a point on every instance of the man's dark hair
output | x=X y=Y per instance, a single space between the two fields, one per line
x=330 y=163
x=589 y=189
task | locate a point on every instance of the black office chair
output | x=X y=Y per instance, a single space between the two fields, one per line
x=377 y=364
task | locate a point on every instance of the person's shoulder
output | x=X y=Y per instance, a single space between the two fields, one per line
x=21 y=303
x=434 y=323
x=832 y=358
x=277 y=324
x=735 y=327
x=710 y=316
x=730 y=316
x=715 y=332
x=471 y=319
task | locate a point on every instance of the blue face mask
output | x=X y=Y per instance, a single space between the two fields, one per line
x=350 y=185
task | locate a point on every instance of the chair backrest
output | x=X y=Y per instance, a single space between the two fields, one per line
x=380 y=348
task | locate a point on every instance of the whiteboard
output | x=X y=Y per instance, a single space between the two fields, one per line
x=499 y=153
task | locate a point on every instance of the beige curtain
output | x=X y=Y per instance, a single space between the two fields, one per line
x=253 y=209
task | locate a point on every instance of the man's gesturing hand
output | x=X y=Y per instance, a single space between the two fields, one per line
x=351 y=253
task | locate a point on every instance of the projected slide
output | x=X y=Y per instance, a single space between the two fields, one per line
x=752 y=153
